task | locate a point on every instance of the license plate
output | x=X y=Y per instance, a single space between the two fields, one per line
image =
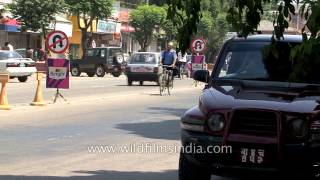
x=141 y=69
x=22 y=65
x=252 y=156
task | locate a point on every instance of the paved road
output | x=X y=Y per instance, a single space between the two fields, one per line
x=23 y=93
x=52 y=142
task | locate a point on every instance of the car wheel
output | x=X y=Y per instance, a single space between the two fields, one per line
x=141 y=83
x=90 y=74
x=188 y=171
x=100 y=72
x=23 y=78
x=116 y=74
x=129 y=82
x=75 y=71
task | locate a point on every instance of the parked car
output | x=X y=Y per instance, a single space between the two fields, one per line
x=143 y=66
x=16 y=66
x=270 y=122
x=36 y=55
x=99 y=61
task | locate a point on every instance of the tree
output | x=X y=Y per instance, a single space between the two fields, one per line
x=87 y=12
x=212 y=26
x=158 y=2
x=147 y=20
x=36 y=15
x=245 y=17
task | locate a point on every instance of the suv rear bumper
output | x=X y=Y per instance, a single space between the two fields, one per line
x=295 y=158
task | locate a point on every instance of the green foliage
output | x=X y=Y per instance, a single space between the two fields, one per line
x=89 y=11
x=186 y=15
x=210 y=23
x=245 y=16
x=36 y=14
x=147 y=20
x=158 y=2
x=306 y=60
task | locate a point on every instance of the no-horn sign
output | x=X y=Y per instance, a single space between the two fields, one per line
x=57 y=42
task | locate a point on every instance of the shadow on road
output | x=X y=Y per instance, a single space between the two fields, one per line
x=168 y=111
x=102 y=175
x=169 y=130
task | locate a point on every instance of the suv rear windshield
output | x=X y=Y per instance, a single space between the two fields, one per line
x=4 y=55
x=252 y=61
x=143 y=59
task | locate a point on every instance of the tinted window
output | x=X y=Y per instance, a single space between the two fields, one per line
x=143 y=59
x=114 y=51
x=89 y=52
x=256 y=61
x=9 y=55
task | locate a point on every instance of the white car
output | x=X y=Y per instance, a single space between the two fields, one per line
x=16 y=66
x=143 y=66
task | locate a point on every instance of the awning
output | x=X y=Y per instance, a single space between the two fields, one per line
x=127 y=28
x=9 y=25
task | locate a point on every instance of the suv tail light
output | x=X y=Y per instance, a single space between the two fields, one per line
x=12 y=64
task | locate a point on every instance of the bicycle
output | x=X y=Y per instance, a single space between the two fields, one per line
x=165 y=80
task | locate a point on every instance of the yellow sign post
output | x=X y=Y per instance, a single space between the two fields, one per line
x=4 y=105
x=38 y=98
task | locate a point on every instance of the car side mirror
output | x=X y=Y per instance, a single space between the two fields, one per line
x=202 y=76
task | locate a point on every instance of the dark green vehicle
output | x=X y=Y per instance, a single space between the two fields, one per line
x=99 y=61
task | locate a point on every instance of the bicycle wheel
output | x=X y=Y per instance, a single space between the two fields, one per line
x=169 y=84
x=162 y=83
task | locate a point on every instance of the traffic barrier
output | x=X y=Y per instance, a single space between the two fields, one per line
x=38 y=98
x=4 y=105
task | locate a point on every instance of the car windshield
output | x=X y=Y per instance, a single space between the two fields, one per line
x=252 y=61
x=143 y=59
x=9 y=55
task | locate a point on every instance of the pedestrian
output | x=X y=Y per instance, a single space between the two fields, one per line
x=29 y=53
x=181 y=63
x=7 y=46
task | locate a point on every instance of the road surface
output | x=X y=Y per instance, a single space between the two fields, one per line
x=56 y=142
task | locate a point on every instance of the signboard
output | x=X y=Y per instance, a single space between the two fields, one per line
x=57 y=42
x=58 y=73
x=197 y=63
x=109 y=27
x=198 y=45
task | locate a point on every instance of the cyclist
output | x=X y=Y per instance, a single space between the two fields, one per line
x=169 y=58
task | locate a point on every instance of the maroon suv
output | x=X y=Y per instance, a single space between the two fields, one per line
x=250 y=117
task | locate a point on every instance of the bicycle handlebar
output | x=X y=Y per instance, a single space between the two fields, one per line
x=166 y=65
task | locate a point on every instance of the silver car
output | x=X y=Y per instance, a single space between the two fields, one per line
x=143 y=66
x=15 y=65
